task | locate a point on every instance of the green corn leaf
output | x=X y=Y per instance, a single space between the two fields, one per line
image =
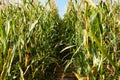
x=21 y=73
x=33 y=26
x=67 y=48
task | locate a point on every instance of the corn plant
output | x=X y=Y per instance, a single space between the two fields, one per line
x=27 y=40
x=95 y=37
x=34 y=40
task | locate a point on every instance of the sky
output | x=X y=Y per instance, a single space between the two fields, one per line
x=61 y=5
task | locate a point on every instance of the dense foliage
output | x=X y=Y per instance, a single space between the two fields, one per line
x=34 y=40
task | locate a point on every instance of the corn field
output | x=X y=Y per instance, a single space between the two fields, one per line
x=34 y=40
